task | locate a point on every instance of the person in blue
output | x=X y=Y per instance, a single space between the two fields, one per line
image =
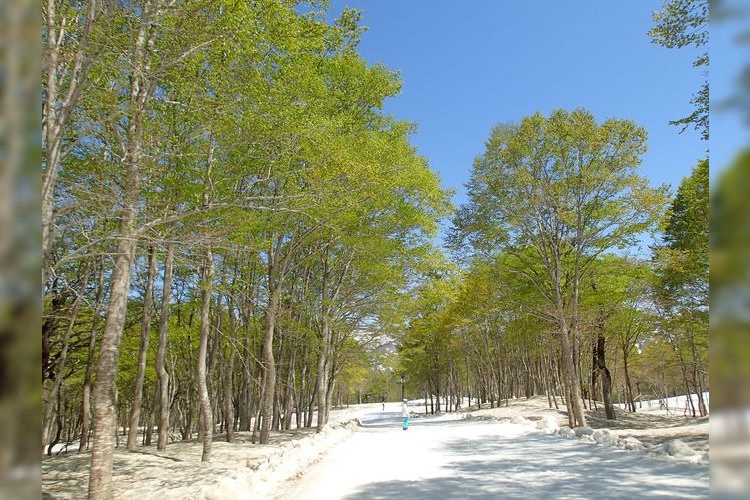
x=405 y=414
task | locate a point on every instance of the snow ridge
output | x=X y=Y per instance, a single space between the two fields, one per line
x=673 y=449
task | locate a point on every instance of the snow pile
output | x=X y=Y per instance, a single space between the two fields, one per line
x=632 y=444
x=566 y=432
x=583 y=431
x=520 y=420
x=236 y=470
x=283 y=463
x=678 y=450
x=674 y=449
x=605 y=437
x=548 y=424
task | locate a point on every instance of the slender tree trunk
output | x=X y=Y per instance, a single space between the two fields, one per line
x=605 y=378
x=702 y=410
x=568 y=354
x=205 y=402
x=628 y=385
x=55 y=391
x=135 y=412
x=573 y=387
x=229 y=375
x=269 y=363
x=105 y=390
x=86 y=403
x=161 y=352
x=321 y=380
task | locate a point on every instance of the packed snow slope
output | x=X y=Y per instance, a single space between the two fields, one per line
x=450 y=457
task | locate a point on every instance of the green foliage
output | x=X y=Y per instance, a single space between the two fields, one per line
x=682 y=258
x=263 y=137
x=684 y=23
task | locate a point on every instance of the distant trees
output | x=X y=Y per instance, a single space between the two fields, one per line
x=681 y=291
x=554 y=193
x=548 y=301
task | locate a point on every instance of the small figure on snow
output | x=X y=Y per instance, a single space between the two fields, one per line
x=405 y=414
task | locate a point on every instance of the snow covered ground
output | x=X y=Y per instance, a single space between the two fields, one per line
x=487 y=458
x=514 y=451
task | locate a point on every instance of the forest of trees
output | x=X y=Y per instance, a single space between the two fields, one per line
x=547 y=299
x=231 y=225
x=227 y=217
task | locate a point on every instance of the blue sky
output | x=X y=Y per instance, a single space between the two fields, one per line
x=728 y=131
x=469 y=65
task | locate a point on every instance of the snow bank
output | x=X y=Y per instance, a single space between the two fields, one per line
x=674 y=449
x=548 y=424
x=632 y=444
x=583 y=431
x=519 y=420
x=236 y=470
x=605 y=437
x=679 y=450
x=284 y=463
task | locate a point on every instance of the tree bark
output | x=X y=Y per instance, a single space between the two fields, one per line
x=105 y=390
x=161 y=352
x=321 y=380
x=205 y=402
x=573 y=401
x=135 y=411
x=605 y=379
x=628 y=384
x=229 y=374
x=86 y=403
x=269 y=363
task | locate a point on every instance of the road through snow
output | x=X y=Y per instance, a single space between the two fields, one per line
x=448 y=458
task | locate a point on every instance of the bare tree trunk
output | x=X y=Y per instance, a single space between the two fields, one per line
x=604 y=377
x=161 y=352
x=321 y=380
x=62 y=358
x=86 y=403
x=229 y=374
x=105 y=396
x=135 y=411
x=326 y=349
x=208 y=419
x=570 y=377
x=628 y=385
x=269 y=364
x=702 y=410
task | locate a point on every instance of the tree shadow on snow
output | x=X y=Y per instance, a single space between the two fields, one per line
x=497 y=467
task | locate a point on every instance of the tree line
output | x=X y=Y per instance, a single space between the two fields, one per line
x=231 y=223
x=549 y=297
x=227 y=213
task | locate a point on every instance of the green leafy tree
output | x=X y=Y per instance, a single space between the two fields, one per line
x=730 y=281
x=681 y=289
x=556 y=192
x=684 y=23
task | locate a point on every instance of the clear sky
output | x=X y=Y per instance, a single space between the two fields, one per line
x=467 y=65
x=729 y=129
